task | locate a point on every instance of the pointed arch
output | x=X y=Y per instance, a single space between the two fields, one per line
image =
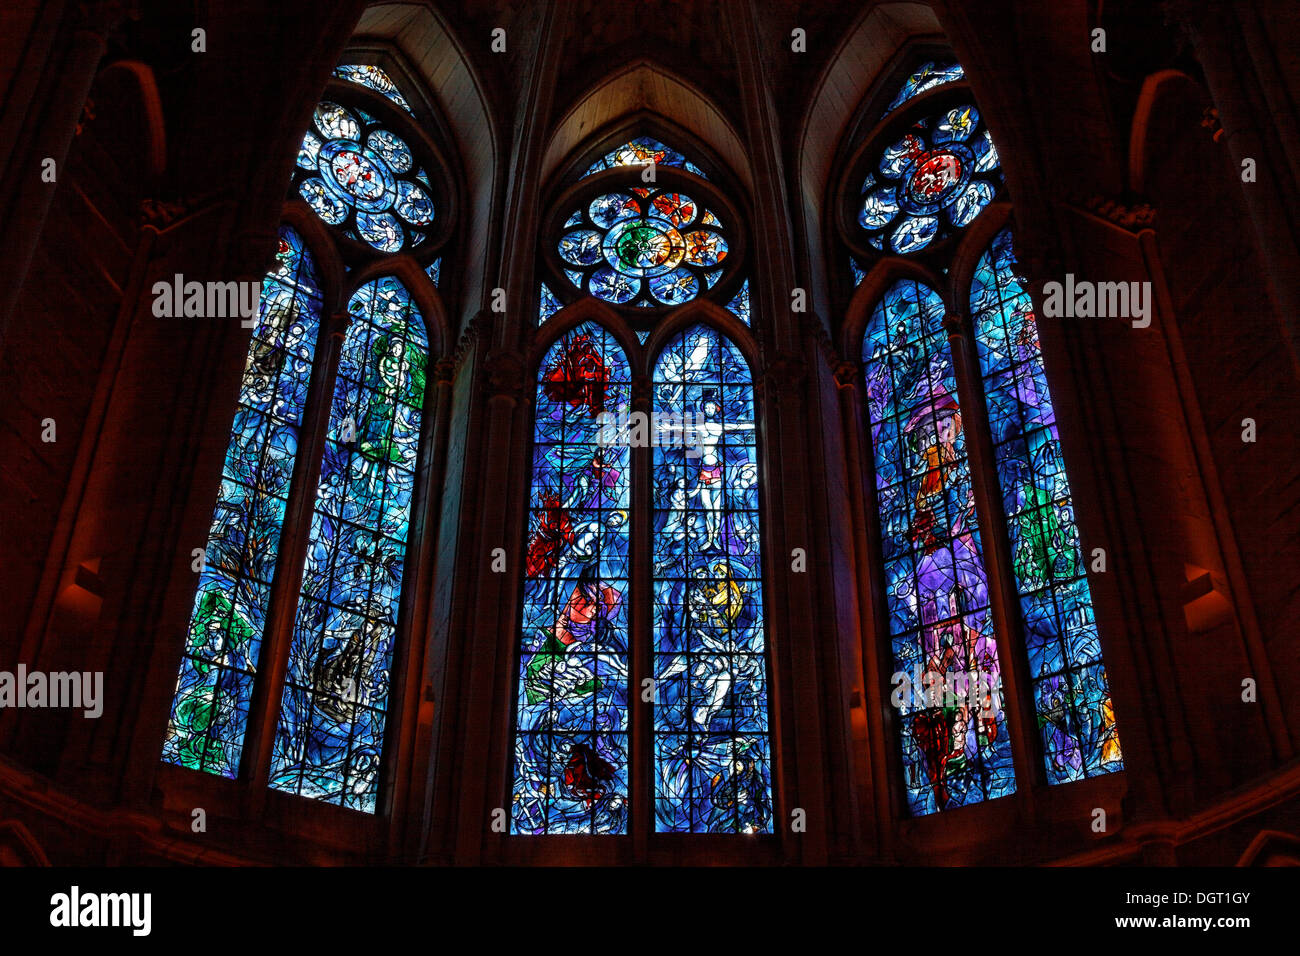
x=587 y=310
x=951 y=365
x=646 y=88
x=571 y=749
x=712 y=745
x=936 y=586
x=229 y=618
x=329 y=738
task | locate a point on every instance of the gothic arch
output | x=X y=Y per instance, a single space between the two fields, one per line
x=417 y=43
x=868 y=52
x=644 y=87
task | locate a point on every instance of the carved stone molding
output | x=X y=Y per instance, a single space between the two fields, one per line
x=1131 y=216
x=469 y=337
x=444 y=371
x=783 y=376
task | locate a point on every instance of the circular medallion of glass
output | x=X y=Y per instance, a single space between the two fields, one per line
x=932 y=181
x=643 y=247
x=363 y=178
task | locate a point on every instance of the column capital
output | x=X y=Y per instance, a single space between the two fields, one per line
x=503 y=376
x=846 y=374
x=783 y=375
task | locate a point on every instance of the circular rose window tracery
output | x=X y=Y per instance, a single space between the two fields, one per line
x=643 y=247
x=363 y=178
x=931 y=182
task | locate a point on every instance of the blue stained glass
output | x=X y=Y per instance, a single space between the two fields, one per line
x=570 y=767
x=934 y=180
x=1071 y=694
x=434 y=272
x=712 y=746
x=858 y=272
x=956 y=750
x=329 y=737
x=547 y=304
x=642 y=151
x=375 y=78
x=363 y=178
x=929 y=75
x=739 y=305
x=210 y=708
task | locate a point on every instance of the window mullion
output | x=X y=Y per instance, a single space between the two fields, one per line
x=295 y=536
x=1017 y=698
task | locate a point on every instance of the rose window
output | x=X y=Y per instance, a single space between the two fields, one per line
x=937 y=178
x=364 y=179
x=643 y=247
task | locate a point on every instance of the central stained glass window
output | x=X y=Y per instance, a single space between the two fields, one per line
x=683 y=627
x=643 y=247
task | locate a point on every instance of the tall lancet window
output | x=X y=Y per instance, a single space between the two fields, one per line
x=298 y=626
x=712 y=758
x=674 y=464
x=935 y=580
x=924 y=173
x=210 y=710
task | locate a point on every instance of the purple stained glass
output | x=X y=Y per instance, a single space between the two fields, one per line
x=947 y=675
x=1071 y=693
x=329 y=738
x=210 y=709
x=712 y=746
x=570 y=766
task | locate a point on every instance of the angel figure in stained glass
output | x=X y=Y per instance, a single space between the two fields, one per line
x=396 y=389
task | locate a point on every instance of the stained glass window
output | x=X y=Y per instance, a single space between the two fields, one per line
x=858 y=272
x=330 y=733
x=570 y=744
x=376 y=79
x=547 y=304
x=929 y=75
x=641 y=246
x=739 y=306
x=935 y=179
x=1071 y=694
x=712 y=750
x=956 y=750
x=210 y=709
x=642 y=151
x=363 y=178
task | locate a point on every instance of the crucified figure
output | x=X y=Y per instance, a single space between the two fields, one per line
x=709 y=490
